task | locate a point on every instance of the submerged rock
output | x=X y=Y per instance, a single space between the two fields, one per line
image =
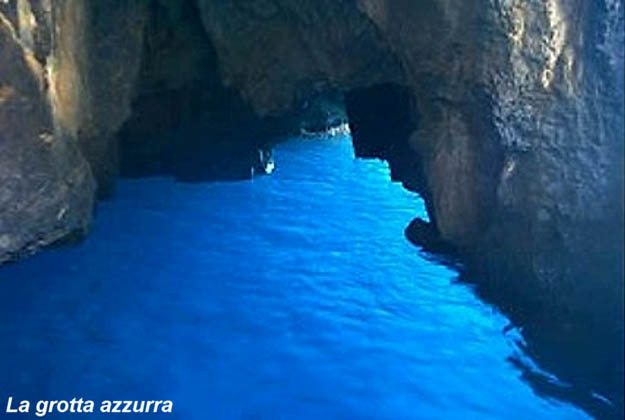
x=425 y=235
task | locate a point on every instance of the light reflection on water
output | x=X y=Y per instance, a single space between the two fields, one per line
x=290 y=296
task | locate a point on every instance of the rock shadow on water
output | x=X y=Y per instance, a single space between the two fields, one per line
x=572 y=356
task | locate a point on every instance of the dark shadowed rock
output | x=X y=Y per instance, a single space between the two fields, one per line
x=278 y=52
x=426 y=235
x=93 y=71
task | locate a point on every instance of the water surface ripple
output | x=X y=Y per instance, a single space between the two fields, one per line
x=291 y=296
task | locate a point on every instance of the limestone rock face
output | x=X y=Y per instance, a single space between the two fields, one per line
x=92 y=74
x=278 y=52
x=46 y=187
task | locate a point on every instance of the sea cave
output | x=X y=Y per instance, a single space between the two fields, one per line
x=315 y=208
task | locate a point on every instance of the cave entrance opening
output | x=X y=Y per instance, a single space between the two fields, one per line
x=217 y=136
x=186 y=123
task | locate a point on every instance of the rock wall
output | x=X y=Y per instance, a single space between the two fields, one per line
x=278 y=52
x=46 y=186
x=93 y=68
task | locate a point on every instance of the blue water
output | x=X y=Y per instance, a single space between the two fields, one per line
x=294 y=296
